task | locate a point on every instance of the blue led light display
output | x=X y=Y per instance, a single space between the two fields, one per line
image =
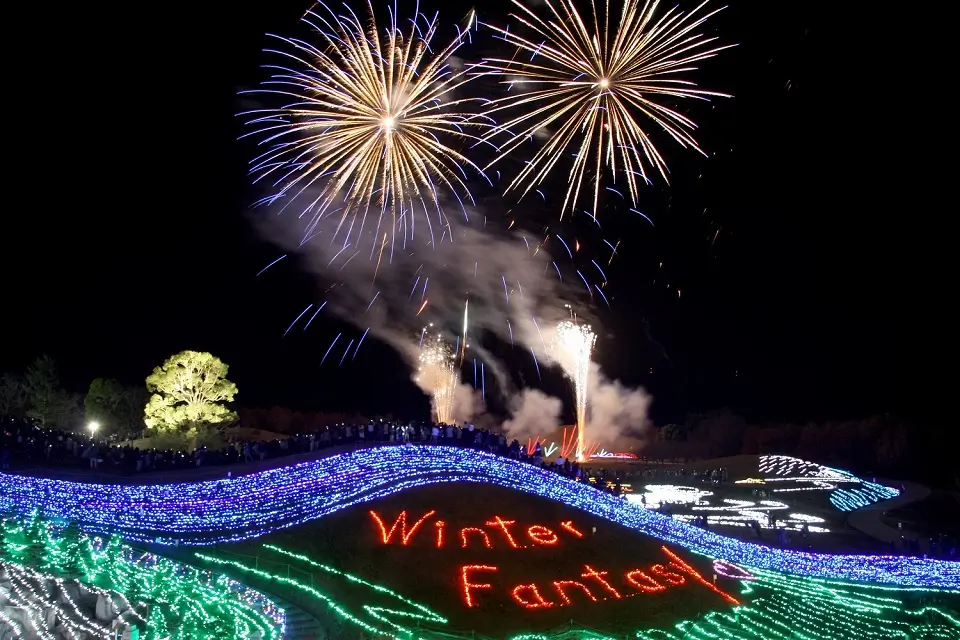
x=231 y=509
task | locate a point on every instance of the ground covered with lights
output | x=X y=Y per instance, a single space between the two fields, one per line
x=765 y=494
x=415 y=541
x=56 y=581
x=499 y=563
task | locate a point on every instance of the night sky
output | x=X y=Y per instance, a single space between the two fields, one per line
x=800 y=246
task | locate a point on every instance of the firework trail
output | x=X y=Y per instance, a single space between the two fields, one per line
x=359 y=137
x=574 y=344
x=466 y=318
x=438 y=375
x=586 y=86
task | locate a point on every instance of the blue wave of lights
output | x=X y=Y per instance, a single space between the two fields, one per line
x=218 y=511
x=863 y=496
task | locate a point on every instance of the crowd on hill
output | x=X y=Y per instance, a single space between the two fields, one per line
x=25 y=446
x=29 y=446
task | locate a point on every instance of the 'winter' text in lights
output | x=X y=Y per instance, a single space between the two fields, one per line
x=402 y=532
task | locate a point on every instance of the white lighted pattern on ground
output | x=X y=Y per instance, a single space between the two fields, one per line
x=28 y=606
x=848 y=492
x=768 y=514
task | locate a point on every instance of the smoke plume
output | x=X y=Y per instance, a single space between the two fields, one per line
x=396 y=285
x=534 y=413
x=467 y=404
x=616 y=413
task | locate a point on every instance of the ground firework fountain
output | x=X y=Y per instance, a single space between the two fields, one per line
x=574 y=346
x=438 y=375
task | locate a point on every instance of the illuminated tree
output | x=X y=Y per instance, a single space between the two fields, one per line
x=189 y=394
x=37 y=537
x=157 y=628
x=106 y=563
x=14 y=536
x=72 y=552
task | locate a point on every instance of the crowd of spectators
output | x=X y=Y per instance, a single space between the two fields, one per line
x=27 y=446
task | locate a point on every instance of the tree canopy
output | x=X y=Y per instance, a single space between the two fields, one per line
x=118 y=409
x=45 y=401
x=13 y=396
x=190 y=391
x=43 y=390
x=103 y=399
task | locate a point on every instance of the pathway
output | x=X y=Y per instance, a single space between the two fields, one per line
x=869 y=519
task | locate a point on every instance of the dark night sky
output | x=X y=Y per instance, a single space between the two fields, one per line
x=127 y=240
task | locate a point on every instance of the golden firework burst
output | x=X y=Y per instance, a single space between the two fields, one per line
x=586 y=87
x=365 y=129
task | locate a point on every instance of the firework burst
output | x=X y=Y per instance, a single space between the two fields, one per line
x=360 y=138
x=437 y=374
x=574 y=345
x=586 y=87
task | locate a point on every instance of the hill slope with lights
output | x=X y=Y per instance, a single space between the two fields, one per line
x=56 y=582
x=227 y=510
x=414 y=540
x=469 y=559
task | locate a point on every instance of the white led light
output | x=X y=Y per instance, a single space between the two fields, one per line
x=656 y=495
x=729 y=512
x=848 y=492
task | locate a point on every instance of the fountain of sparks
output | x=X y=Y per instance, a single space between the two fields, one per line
x=438 y=375
x=574 y=344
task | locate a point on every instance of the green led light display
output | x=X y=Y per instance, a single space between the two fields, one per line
x=382 y=621
x=164 y=599
x=776 y=607
x=792 y=607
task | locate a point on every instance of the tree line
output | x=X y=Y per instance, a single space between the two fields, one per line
x=38 y=396
x=875 y=445
x=187 y=398
x=184 y=401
